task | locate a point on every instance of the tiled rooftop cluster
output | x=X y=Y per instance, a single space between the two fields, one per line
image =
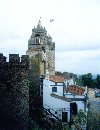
x=75 y=89
x=72 y=88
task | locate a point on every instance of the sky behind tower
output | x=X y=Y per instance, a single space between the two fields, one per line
x=75 y=30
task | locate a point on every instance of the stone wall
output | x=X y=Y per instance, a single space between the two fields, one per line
x=14 y=92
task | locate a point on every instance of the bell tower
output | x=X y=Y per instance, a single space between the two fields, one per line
x=41 y=51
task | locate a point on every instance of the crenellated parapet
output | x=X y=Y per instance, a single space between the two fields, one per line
x=14 y=61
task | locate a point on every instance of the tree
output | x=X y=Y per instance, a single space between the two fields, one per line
x=98 y=81
x=80 y=120
x=14 y=97
x=87 y=80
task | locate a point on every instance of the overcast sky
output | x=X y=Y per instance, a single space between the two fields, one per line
x=75 y=30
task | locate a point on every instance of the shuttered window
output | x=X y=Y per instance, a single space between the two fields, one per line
x=54 y=89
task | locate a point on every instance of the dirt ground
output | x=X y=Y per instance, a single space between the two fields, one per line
x=91 y=94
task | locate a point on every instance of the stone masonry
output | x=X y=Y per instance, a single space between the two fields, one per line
x=41 y=50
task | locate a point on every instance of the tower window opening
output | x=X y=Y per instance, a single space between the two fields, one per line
x=37 y=40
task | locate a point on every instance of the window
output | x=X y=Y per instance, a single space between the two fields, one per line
x=54 y=89
x=55 y=112
x=37 y=40
x=64 y=116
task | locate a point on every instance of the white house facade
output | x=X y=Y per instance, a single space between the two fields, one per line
x=62 y=101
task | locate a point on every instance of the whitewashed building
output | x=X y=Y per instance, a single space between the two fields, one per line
x=60 y=101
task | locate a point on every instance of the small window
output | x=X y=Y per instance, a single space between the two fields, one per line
x=37 y=40
x=55 y=112
x=54 y=89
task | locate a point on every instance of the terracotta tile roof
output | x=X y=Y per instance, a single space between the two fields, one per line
x=75 y=89
x=56 y=78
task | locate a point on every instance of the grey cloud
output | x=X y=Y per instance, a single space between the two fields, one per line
x=78 y=47
x=9 y=35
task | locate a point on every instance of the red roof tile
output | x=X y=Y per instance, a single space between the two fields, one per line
x=56 y=78
x=75 y=89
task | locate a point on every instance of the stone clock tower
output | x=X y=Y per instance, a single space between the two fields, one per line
x=41 y=51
